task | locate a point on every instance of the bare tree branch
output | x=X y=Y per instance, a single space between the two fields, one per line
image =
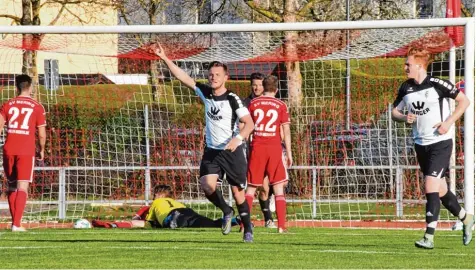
x=268 y=14
x=60 y=12
x=465 y=11
x=80 y=20
x=16 y=19
x=305 y=9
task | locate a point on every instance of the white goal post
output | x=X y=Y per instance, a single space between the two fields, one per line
x=97 y=171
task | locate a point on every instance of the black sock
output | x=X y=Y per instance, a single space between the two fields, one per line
x=265 y=209
x=244 y=211
x=217 y=199
x=432 y=212
x=450 y=202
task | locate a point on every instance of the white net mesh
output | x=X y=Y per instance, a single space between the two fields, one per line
x=118 y=123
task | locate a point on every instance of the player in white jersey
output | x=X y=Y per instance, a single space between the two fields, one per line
x=224 y=151
x=426 y=99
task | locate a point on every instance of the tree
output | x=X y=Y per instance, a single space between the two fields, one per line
x=152 y=12
x=31 y=15
x=318 y=11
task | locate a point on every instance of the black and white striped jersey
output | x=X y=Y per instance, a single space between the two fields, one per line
x=429 y=101
x=222 y=114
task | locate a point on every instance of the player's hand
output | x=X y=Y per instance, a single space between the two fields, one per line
x=158 y=50
x=289 y=160
x=233 y=144
x=41 y=156
x=442 y=127
x=411 y=118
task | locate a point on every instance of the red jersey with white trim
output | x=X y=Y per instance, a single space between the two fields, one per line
x=268 y=114
x=22 y=116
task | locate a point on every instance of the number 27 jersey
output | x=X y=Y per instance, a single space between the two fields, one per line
x=268 y=114
x=22 y=116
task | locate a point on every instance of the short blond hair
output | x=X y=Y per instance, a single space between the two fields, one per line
x=421 y=55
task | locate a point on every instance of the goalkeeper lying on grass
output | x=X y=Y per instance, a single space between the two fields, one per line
x=165 y=212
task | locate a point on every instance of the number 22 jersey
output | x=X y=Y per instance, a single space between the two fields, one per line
x=268 y=114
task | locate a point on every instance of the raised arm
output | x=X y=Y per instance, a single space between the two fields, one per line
x=178 y=73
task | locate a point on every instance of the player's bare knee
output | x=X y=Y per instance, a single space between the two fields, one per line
x=263 y=194
x=206 y=185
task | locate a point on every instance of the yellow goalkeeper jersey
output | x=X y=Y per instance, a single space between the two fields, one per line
x=161 y=208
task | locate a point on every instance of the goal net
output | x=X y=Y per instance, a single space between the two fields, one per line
x=119 y=123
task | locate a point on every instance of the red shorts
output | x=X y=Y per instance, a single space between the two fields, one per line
x=19 y=168
x=266 y=160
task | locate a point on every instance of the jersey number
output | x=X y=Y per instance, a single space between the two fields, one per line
x=15 y=112
x=270 y=126
x=170 y=203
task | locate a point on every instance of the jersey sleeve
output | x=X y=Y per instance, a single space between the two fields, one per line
x=142 y=213
x=40 y=116
x=445 y=88
x=202 y=90
x=151 y=214
x=285 y=118
x=237 y=106
x=399 y=103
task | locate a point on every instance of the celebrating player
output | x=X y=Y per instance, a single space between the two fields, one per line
x=270 y=116
x=426 y=99
x=224 y=151
x=265 y=194
x=165 y=212
x=23 y=116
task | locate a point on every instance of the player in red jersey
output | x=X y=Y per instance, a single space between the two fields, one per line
x=22 y=115
x=265 y=194
x=270 y=115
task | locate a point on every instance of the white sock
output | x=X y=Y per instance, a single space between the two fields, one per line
x=462 y=214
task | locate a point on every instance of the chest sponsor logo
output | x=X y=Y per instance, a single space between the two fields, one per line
x=418 y=108
x=213 y=114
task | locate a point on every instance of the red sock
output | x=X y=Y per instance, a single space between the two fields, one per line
x=249 y=200
x=122 y=224
x=281 y=210
x=12 y=196
x=20 y=203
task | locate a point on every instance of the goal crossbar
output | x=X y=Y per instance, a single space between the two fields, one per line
x=246 y=27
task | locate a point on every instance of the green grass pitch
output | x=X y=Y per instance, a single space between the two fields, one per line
x=208 y=248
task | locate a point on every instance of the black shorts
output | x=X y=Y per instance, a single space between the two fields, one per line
x=221 y=162
x=434 y=159
x=187 y=215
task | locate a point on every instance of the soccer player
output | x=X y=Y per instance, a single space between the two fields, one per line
x=426 y=99
x=224 y=152
x=165 y=212
x=265 y=194
x=270 y=116
x=22 y=115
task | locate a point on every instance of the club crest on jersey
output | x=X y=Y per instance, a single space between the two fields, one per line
x=213 y=113
x=419 y=108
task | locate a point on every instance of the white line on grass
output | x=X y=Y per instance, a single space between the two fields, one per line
x=337 y=233
x=243 y=249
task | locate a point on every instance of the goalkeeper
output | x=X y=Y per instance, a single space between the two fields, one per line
x=165 y=212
